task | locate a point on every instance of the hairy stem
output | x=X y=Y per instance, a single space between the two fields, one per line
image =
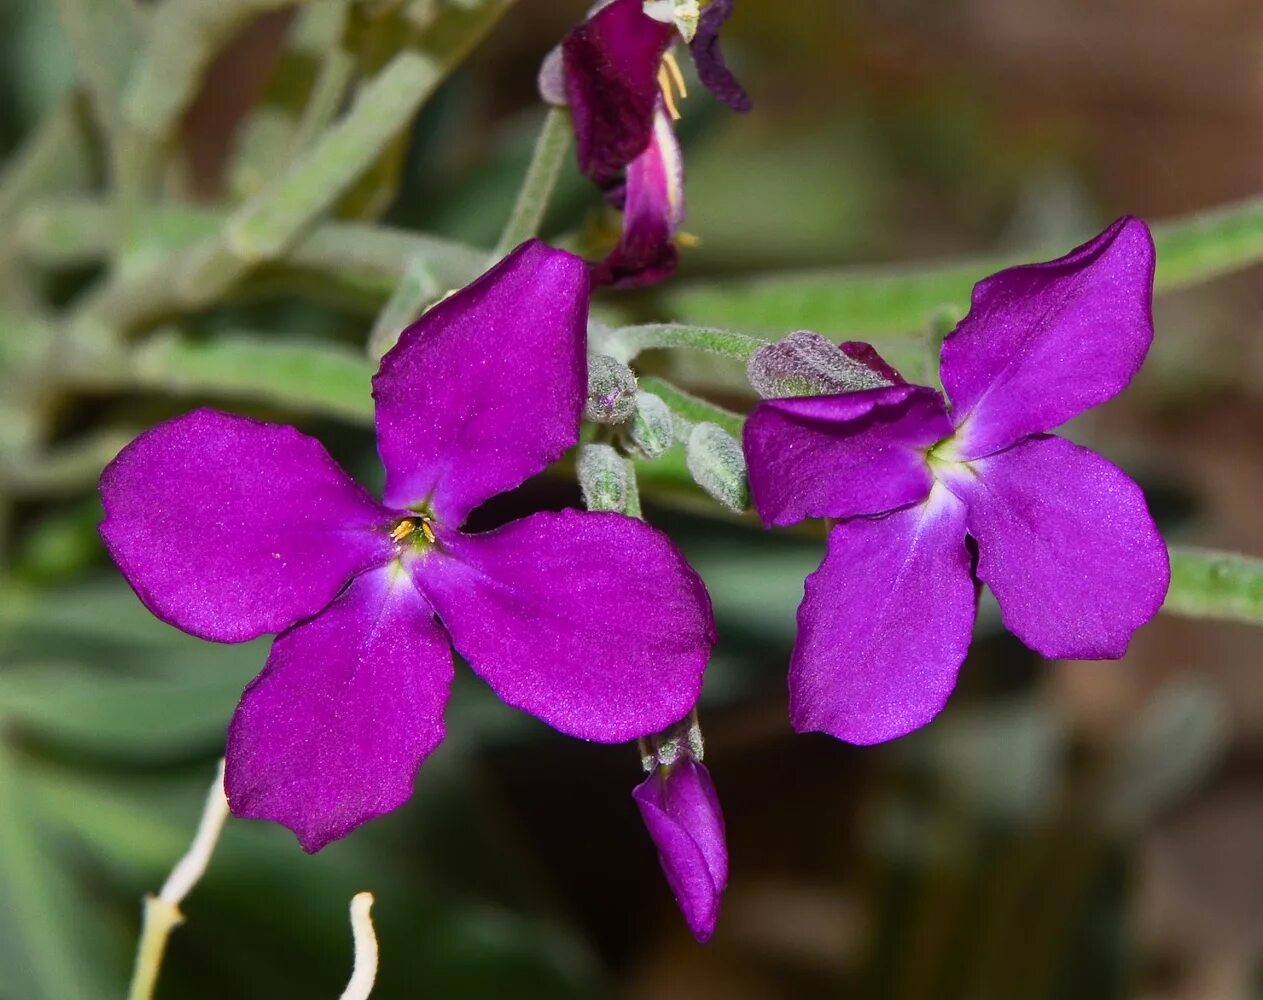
x=541 y=178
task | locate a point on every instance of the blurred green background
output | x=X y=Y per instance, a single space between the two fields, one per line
x=1069 y=830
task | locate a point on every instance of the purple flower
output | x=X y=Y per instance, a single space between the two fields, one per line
x=681 y=810
x=228 y=528
x=1063 y=538
x=612 y=77
x=653 y=208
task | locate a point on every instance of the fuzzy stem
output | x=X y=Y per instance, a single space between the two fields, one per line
x=625 y=343
x=418 y=287
x=1221 y=585
x=541 y=178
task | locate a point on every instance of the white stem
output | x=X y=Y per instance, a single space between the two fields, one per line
x=162 y=912
x=192 y=866
x=365 y=969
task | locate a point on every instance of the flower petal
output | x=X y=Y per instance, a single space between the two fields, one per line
x=844 y=455
x=1067 y=546
x=653 y=209
x=712 y=70
x=885 y=624
x=593 y=622
x=486 y=389
x=229 y=528
x=1044 y=342
x=681 y=810
x=611 y=64
x=331 y=733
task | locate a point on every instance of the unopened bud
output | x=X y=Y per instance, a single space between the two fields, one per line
x=718 y=466
x=653 y=426
x=611 y=391
x=806 y=364
x=607 y=480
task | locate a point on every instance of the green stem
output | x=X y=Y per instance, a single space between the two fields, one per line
x=692 y=408
x=868 y=302
x=1221 y=585
x=418 y=287
x=625 y=343
x=541 y=178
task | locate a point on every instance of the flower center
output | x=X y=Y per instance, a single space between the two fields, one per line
x=417 y=529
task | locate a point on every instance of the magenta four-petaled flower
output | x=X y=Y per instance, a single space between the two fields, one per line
x=229 y=529
x=1063 y=538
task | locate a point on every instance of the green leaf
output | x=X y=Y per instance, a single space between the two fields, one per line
x=1208 y=584
x=307 y=376
x=43 y=952
x=874 y=301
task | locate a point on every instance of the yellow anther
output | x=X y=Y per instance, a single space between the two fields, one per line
x=428 y=532
x=688 y=239
x=673 y=67
x=402 y=530
x=664 y=84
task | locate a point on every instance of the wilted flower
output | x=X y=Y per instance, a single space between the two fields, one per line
x=1063 y=538
x=616 y=72
x=653 y=208
x=681 y=811
x=229 y=528
x=614 y=68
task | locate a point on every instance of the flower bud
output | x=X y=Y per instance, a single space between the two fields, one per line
x=611 y=391
x=607 y=479
x=653 y=426
x=681 y=811
x=806 y=364
x=717 y=465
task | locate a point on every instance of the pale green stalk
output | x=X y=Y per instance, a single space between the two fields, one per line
x=868 y=302
x=541 y=179
x=625 y=343
x=271 y=221
x=1220 y=585
x=692 y=409
x=418 y=288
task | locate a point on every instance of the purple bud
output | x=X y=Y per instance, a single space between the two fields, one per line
x=806 y=364
x=681 y=810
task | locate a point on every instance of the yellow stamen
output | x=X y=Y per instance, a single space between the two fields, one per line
x=664 y=84
x=688 y=239
x=668 y=59
x=402 y=530
x=427 y=531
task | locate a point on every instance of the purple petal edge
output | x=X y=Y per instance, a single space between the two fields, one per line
x=592 y=622
x=1067 y=545
x=330 y=735
x=708 y=57
x=885 y=624
x=1044 y=342
x=228 y=528
x=487 y=388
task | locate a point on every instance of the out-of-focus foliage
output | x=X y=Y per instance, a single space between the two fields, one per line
x=236 y=202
